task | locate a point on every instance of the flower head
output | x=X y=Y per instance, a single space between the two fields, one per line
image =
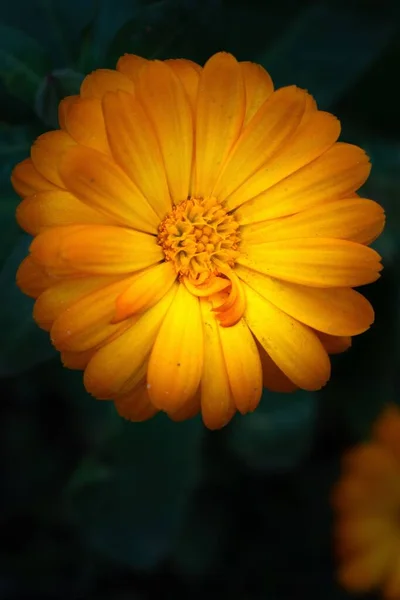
x=367 y=500
x=197 y=236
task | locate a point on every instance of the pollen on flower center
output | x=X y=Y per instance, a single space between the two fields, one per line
x=201 y=239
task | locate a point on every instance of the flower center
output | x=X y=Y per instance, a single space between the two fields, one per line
x=201 y=238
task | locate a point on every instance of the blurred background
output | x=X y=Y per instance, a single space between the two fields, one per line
x=96 y=508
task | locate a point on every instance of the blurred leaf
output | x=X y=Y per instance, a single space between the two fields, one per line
x=23 y=344
x=15 y=145
x=23 y=63
x=325 y=49
x=134 y=516
x=9 y=227
x=278 y=434
x=54 y=87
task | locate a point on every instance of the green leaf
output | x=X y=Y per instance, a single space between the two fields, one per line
x=23 y=63
x=53 y=88
x=277 y=436
x=23 y=344
x=132 y=513
x=325 y=50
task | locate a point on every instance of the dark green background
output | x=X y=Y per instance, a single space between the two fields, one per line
x=96 y=508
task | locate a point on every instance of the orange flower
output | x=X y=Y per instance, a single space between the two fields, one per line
x=197 y=236
x=367 y=500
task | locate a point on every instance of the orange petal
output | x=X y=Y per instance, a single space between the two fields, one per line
x=130 y=65
x=46 y=154
x=77 y=361
x=96 y=249
x=316 y=133
x=217 y=403
x=167 y=106
x=135 y=148
x=62 y=295
x=86 y=322
x=258 y=85
x=136 y=405
x=146 y=289
x=188 y=73
x=317 y=262
x=53 y=208
x=63 y=108
x=243 y=365
x=98 y=181
x=120 y=365
x=26 y=180
x=31 y=279
x=101 y=81
x=337 y=173
x=355 y=219
x=334 y=344
x=220 y=113
x=273 y=378
x=391 y=588
x=367 y=570
x=387 y=429
x=84 y=121
x=274 y=122
x=176 y=360
x=291 y=345
x=336 y=311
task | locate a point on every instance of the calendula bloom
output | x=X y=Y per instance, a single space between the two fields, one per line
x=367 y=500
x=197 y=236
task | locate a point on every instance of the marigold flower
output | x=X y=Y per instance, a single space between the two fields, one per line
x=367 y=500
x=197 y=236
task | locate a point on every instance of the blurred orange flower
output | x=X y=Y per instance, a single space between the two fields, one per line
x=367 y=501
x=197 y=236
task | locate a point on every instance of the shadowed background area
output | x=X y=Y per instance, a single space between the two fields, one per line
x=94 y=507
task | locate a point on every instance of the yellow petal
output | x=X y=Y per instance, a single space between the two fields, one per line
x=102 y=81
x=54 y=208
x=84 y=121
x=258 y=85
x=368 y=569
x=294 y=347
x=274 y=122
x=318 y=262
x=136 y=406
x=86 y=322
x=355 y=219
x=31 y=279
x=217 y=403
x=26 y=180
x=176 y=360
x=220 y=113
x=98 y=181
x=242 y=361
x=334 y=344
x=62 y=295
x=146 y=289
x=190 y=409
x=337 y=173
x=188 y=73
x=130 y=65
x=273 y=378
x=46 y=154
x=96 y=249
x=167 y=106
x=77 y=361
x=337 y=311
x=391 y=588
x=120 y=365
x=135 y=148
x=316 y=133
